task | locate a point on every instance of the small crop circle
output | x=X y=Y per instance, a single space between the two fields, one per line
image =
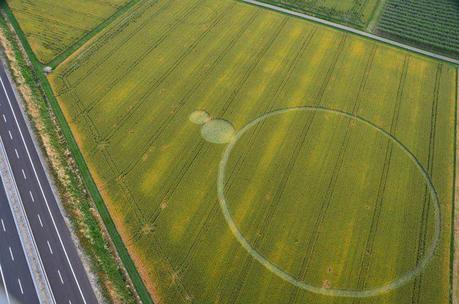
x=218 y=131
x=396 y=283
x=199 y=117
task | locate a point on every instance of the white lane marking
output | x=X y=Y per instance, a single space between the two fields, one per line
x=11 y=253
x=17 y=154
x=31 y=196
x=11 y=135
x=60 y=276
x=23 y=174
x=42 y=192
x=4 y=285
x=4 y=117
x=49 y=246
x=3 y=226
x=29 y=229
x=20 y=286
x=39 y=219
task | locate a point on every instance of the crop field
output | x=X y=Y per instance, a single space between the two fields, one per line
x=250 y=157
x=52 y=26
x=431 y=23
x=353 y=12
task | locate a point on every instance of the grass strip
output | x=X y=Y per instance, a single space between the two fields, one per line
x=37 y=74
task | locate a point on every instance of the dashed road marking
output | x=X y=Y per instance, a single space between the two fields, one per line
x=20 y=286
x=17 y=154
x=11 y=253
x=21 y=136
x=49 y=246
x=31 y=196
x=11 y=135
x=39 y=219
x=3 y=226
x=60 y=276
x=23 y=174
x=4 y=117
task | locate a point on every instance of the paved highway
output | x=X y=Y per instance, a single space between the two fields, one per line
x=64 y=270
x=15 y=276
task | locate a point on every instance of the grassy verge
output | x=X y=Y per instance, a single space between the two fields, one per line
x=79 y=43
x=54 y=137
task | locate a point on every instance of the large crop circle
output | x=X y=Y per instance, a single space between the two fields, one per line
x=399 y=281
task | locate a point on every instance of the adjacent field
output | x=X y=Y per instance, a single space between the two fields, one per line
x=429 y=23
x=52 y=26
x=328 y=199
x=353 y=12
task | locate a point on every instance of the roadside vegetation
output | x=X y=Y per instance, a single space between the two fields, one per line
x=431 y=24
x=85 y=220
x=329 y=200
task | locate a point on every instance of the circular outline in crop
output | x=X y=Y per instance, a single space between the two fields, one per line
x=400 y=281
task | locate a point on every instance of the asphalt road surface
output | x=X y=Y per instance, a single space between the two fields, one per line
x=63 y=267
x=15 y=278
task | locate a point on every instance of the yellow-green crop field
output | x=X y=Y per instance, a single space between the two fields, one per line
x=338 y=180
x=52 y=26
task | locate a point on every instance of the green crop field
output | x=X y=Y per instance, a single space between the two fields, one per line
x=250 y=157
x=52 y=26
x=353 y=12
x=428 y=23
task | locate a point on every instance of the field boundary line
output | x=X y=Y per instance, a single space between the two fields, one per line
x=454 y=276
x=93 y=191
x=351 y=30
